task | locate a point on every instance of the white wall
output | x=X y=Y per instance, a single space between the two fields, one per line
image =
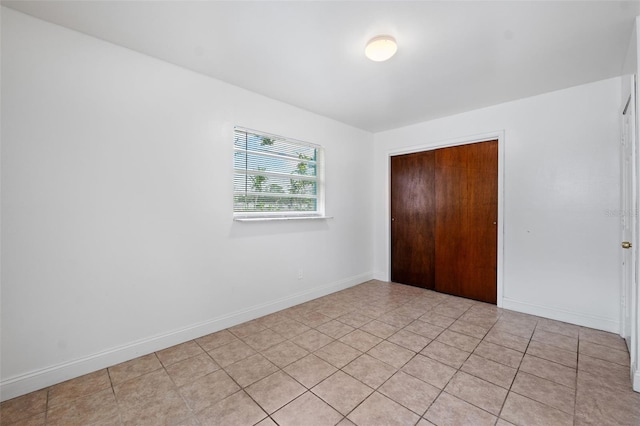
x=561 y=175
x=117 y=229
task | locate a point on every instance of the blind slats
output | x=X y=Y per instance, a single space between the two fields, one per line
x=275 y=174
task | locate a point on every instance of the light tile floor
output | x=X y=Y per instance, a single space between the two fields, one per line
x=375 y=354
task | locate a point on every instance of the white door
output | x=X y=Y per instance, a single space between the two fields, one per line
x=628 y=211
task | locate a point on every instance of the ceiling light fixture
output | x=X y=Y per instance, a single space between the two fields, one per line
x=381 y=48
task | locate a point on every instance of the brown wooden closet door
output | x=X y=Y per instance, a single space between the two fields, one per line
x=466 y=236
x=444 y=210
x=413 y=219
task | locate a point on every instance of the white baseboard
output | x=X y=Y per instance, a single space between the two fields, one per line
x=32 y=381
x=380 y=276
x=635 y=378
x=591 y=321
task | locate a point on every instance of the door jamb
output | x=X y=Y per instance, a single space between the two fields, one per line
x=465 y=140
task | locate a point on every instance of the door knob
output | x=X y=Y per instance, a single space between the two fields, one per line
x=626 y=245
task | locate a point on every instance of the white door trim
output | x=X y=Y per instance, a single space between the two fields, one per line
x=464 y=140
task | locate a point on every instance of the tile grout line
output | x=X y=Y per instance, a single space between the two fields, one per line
x=516 y=375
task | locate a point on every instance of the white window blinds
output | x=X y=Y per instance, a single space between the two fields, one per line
x=275 y=176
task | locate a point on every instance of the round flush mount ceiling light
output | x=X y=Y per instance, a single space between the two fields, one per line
x=381 y=48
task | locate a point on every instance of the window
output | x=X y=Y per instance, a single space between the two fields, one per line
x=276 y=176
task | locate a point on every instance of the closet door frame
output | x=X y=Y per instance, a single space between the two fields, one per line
x=499 y=135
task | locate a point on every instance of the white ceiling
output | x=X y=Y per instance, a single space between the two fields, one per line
x=452 y=57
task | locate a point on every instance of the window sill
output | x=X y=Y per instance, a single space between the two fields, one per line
x=271 y=219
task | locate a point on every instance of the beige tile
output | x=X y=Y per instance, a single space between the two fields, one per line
x=285 y=353
x=338 y=354
x=190 y=369
x=342 y=392
x=263 y=340
x=449 y=410
x=424 y=422
x=605 y=353
x=208 y=390
x=499 y=354
x=275 y=391
x=468 y=328
x=491 y=371
x=179 y=352
x=377 y=409
x=524 y=329
x=603 y=338
x=76 y=388
x=237 y=409
x=430 y=371
x=409 y=340
x=425 y=329
x=449 y=311
x=602 y=405
x=502 y=422
x=312 y=340
x=310 y=370
x=267 y=422
x=290 y=329
x=369 y=370
x=558 y=327
x=23 y=407
x=360 y=340
x=553 y=353
x=251 y=370
x=354 y=319
x=301 y=309
x=314 y=319
x=410 y=311
x=371 y=311
x=333 y=310
x=215 y=340
x=507 y=340
x=308 y=410
x=273 y=319
x=247 y=328
x=485 y=321
x=610 y=374
x=453 y=357
x=98 y=408
x=544 y=391
x=460 y=341
x=487 y=309
x=476 y=391
x=558 y=340
x=520 y=410
x=418 y=399
x=151 y=399
x=231 y=353
x=396 y=319
x=134 y=368
x=37 y=420
x=549 y=370
x=346 y=422
x=379 y=328
x=391 y=353
x=335 y=329
x=191 y=420
x=439 y=320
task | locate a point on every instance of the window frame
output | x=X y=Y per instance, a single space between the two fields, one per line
x=318 y=213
